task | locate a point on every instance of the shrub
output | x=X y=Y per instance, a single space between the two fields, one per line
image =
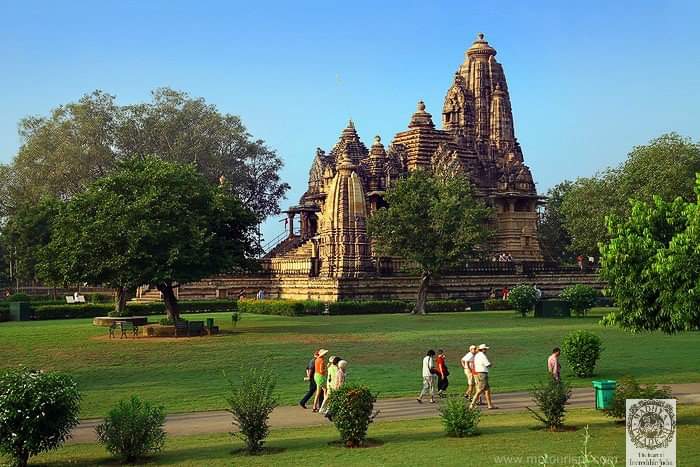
x=368 y=307
x=235 y=318
x=281 y=307
x=551 y=398
x=252 y=401
x=132 y=429
x=497 y=304
x=4 y=314
x=37 y=412
x=18 y=297
x=459 y=420
x=581 y=298
x=92 y=310
x=629 y=388
x=351 y=409
x=98 y=298
x=582 y=350
x=446 y=306
x=121 y=314
x=523 y=297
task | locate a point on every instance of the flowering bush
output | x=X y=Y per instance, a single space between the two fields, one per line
x=351 y=409
x=37 y=412
x=523 y=297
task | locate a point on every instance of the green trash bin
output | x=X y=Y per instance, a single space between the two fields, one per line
x=604 y=393
x=20 y=311
x=210 y=323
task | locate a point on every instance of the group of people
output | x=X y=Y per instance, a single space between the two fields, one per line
x=475 y=364
x=324 y=377
x=503 y=258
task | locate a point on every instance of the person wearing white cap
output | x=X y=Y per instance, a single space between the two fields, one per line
x=469 y=372
x=320 y=372
x=481 y=366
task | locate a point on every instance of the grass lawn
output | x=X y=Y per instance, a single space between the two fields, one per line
x=384 y=351
x=505 y=439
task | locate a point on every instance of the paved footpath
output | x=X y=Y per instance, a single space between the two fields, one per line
x=389 y=409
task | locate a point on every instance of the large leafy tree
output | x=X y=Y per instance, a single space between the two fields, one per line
x=554 y=239
x=435 y=222
x=150 y=222
x=25 y=233
x=77 y=143
x=652 y=265
x=664 y=167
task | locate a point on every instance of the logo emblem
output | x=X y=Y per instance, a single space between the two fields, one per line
x=651 y=424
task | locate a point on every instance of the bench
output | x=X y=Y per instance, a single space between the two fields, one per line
x=181 y=328
x=127 y=327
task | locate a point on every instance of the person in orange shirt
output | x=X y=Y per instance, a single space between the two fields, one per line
x=320 y=372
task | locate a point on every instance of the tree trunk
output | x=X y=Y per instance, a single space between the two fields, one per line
x=170 y=300
x=120 y=302
x=23 y=459
x=419 y=309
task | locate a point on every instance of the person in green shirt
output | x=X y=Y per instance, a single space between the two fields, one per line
x=330 y=384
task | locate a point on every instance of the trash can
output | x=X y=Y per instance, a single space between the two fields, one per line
x=210 y=323
x=20 y=311
x=604 y=393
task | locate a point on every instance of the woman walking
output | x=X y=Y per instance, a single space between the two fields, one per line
x=320 y=372
x=331 y=381
x=442 y=373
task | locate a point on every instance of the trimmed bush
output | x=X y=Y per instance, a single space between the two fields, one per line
x=92 y=310
x=133 y=429
x=446 y=306
x=4 y=314
x=582 y=350
x=252 y=401
x=121 y=314
x=551 y=398
x=493 y=304
x=281 y=307
x=368 y=307
x=18 y=297
x=351 y=408
x=37 y=412
x=459 y=420
x=629 y=388
x=581 y=298
x=235 y=318
x=523 y=297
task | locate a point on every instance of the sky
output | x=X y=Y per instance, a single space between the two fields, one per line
x=588 y=80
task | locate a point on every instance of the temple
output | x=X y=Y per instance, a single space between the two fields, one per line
x=477 y=139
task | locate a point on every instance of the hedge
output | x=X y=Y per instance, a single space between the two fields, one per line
x=4 y=314
x=343 y=307
x=92 y=310
x=281 y=307
x=497 y=304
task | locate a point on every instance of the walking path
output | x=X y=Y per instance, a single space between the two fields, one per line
x=389 y=409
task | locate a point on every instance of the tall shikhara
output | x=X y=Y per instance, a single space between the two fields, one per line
x=477 y=139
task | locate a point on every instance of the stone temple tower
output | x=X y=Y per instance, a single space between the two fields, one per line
x=343 y=244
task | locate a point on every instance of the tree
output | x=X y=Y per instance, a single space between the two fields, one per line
x=664 y=167
x=150 y=222
x=79 y=142
x=652 y=266
x=37 y=412
x=555 y=241
x=26 y=232
x=437 y=223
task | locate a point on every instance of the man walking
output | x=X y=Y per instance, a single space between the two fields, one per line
x=481 y=366
x=310 y=369
x=428 y=377
x=553 y=365
x=468 y=365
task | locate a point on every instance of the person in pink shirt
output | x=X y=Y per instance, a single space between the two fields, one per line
x=553 y=365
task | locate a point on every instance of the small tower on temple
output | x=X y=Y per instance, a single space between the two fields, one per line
x=343 y=244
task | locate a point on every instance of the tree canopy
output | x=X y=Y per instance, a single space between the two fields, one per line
x=77 y=143
x=664 y=167
x=435 y=222
x=149 y=222
x=652 y=265
x=555 y=241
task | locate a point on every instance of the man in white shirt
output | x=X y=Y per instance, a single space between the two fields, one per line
x=428 y=374
x=481 y=366
x=468 y=365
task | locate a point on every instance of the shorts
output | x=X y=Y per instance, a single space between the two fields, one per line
x=320 y=380
x=483 y=381
x=470 y=377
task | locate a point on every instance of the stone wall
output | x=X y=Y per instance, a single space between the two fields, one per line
x=476 y=287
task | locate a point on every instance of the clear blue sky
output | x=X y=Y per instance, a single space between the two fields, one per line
x=588 y=80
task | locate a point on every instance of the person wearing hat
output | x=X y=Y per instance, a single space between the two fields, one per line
x=310 y=370
x=481 y=366
x=320 y=373
x=469 y=372
x=330 y=380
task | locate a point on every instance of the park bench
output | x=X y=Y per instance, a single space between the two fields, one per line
x=196 y=328
x=127 y=327
x=181 y=328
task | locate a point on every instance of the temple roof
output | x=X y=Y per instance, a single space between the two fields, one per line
x=481 y=47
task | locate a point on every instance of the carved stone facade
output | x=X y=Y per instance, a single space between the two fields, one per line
x=477 y=139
